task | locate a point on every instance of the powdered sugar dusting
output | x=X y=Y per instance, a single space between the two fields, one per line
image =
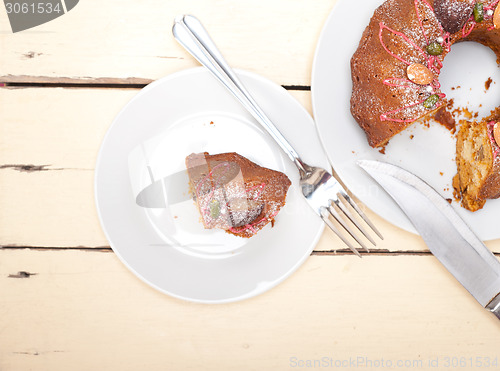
x=235 y=194
x=404 y=32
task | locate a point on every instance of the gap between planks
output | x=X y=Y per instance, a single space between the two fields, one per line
x=20 y=82
x=102 y=83
x=339 y=252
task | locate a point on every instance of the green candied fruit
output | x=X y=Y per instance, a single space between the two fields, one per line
x=434 y=48
x=431 y=101
x=214 y=209
x=478 y=12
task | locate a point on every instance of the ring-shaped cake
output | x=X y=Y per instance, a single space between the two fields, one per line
x=395 y=77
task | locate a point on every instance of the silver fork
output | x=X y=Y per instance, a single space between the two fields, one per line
x=322 y=191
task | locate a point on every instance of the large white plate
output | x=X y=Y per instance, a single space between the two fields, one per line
x=168 y=247
x=431 y=152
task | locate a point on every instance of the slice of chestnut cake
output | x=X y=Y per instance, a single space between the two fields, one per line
x=235 y=194
x=478 y=162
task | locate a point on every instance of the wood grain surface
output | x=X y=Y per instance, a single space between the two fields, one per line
x=276 y=40
x=66 y=300
x=95 y=314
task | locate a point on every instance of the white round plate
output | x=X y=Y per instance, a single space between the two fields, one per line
x=168 y=248
x=428 y=152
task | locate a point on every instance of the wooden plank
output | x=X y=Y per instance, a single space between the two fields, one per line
x=55 y=208
x=127 y=41
x=48 y=155
x=50 y=81
x=46 y=172
x=83 y=310
x=62 y=129
x=49 y=208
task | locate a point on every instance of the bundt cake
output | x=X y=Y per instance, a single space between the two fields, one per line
x=234 y=194
x=478 y=162
x=395 y=81
x=395 y=70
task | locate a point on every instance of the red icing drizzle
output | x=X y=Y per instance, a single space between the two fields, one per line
x=466 y=31
x=401 y=82
x=471 y=23
x=207 y=177
x=206 y=209
x=432 y=62
x=420 y=19
x=492 y=6
x=260 y=188
x=251 y=227
x=384 y=116
x=494 y=144
x=400 y=34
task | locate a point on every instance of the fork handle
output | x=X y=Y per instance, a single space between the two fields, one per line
x=191 y=34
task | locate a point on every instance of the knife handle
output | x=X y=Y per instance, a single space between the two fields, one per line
x=494 y=306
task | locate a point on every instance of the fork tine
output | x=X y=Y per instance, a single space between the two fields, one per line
x=328 y=222
x=346 y=197
x=342 y=222
x=353 y=220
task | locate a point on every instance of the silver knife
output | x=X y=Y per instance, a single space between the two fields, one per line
x=169 y=190
x=448 y=237
x=173 y=188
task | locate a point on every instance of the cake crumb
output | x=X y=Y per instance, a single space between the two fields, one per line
x=382 y=150
x=467 y=113
x=449 y=200
x=487 y=83
x=441 y=173
x=445 y=118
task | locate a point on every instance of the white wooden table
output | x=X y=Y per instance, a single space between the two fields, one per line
x=68 y=303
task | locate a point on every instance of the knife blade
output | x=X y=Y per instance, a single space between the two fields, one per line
x=448 y=237
x=175 y=187
x=169 y=190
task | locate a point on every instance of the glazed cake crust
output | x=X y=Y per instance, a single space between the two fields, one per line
x=384 y=101
x=226 y=177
